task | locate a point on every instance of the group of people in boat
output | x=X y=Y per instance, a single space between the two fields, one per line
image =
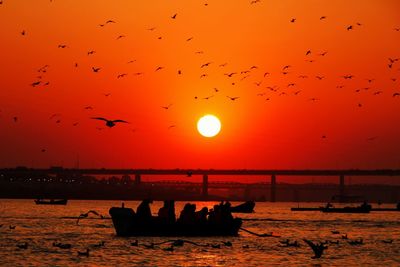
x=219 y=214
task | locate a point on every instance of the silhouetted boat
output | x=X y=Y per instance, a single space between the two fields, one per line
x=247 y=207
x=364 y=208
x=126 y=225
x=51 y=202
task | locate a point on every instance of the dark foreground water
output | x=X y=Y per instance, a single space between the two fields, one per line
x=41 y=225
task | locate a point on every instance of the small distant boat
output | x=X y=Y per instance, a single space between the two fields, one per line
x=40 y=201
x=247 y=207
x=364 y=208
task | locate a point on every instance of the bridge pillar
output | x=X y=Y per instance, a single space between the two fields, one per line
x=205 y=186
x=273 y=188
x=138 y=179
x=341 y=188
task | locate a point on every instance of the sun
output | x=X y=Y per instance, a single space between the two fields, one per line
x=209 y=126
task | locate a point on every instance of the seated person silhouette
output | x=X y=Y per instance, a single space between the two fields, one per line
x=166 y=213
x=143 y=212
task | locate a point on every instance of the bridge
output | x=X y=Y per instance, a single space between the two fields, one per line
x=273 y=174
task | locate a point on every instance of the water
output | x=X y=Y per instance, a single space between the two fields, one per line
x=41 y=225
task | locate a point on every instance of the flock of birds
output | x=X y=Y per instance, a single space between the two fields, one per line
x=234 y=77
x=317 y=247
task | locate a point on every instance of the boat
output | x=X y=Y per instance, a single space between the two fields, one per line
x=247 y=207
x=126 y=225
x=364 y=208
x=40 y=201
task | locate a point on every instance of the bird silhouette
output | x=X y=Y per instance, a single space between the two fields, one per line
x=159 y=68
x=109 y=123
x=293 y=20
x=174 y=16
x=205 y=64
x=166 y=107
x=34 y=84
x=121 y=75
x=308 y=52
x=396 y=94
x=232 y=98
x=120 y=36
x=322 y=17
x=23 y=245
x=318 y=249
x=230 y=74
x=62 y=46
x=96 y=69
x=349 y=27
x=84 y=253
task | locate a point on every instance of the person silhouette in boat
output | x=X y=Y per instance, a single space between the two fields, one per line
x=188 y=214
x=166 y=213
x=201 y=216
x=143 y=212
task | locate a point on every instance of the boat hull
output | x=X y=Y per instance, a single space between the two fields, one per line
x=126 y=225
x=345 y=210
x=247 y=207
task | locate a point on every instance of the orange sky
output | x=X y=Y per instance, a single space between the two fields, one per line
x=285 y=131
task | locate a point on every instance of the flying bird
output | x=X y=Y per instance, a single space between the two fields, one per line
x=174 y=16
x=232 y=98
x=122 y=75
x=321 y=18
x=205 y=64
x=109 y=123
x=34 y=84
x=308 y=52
x=96 y=69
x=349 y=27
x=396 y=94
x=62 y=46
x=85 y=215
x=230 y=74
x=166 y=107
x=159 y=68
x=293 y=20
x=318 y=249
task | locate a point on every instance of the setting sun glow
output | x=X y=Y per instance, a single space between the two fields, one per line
x=209 y=126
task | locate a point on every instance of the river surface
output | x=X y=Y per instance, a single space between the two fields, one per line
x=41 y=225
